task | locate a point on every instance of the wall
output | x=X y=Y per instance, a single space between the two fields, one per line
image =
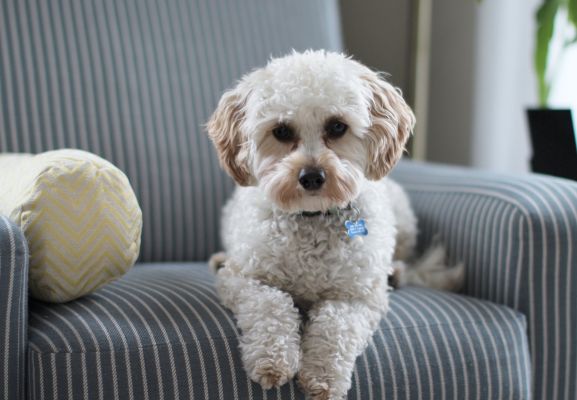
x=481 y=77
x=379 y=34
x=451 y=81
x=505 y=84
x=394 y=36
x=481 y=83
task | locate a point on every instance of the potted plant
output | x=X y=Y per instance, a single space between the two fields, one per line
x=551 y=130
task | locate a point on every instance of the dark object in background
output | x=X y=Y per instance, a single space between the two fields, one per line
x=553 y=141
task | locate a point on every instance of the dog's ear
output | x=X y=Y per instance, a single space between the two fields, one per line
x=392 y=122
x=225 y=129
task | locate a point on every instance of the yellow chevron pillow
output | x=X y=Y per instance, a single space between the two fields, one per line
x=79 y=215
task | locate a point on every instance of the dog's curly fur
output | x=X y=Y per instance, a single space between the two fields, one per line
x=306 y=297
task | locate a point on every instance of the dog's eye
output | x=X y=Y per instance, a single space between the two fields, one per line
x=283 y=133
x=335 y=129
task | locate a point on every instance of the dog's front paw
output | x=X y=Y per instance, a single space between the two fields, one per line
x=318 y=389
x=271 y=361
x=314 y=389
x=269 y=373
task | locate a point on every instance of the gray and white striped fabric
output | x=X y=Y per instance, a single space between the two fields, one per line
x=134 y=81
x=160 y=333
x=516 y=236
x=13 y=310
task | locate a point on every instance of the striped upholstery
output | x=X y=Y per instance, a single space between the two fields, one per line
x=160 y=333
x=133 y=81
x=516 y=236
x=13 y=310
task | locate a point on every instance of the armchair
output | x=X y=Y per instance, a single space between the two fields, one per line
x=13 y=310
x=133 y=81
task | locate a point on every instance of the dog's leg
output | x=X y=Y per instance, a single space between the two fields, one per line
x=405 y=221
x=336 y=334
x=269 y=322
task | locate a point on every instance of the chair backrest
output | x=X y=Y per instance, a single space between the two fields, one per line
x=134 y=81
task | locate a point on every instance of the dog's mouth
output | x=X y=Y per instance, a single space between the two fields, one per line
x=327 y=213
x=318 y=201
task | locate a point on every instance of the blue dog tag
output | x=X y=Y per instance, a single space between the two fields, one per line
x=356 y=228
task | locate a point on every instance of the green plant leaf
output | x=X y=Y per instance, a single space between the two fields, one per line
x=545 y=26
x=572 y=11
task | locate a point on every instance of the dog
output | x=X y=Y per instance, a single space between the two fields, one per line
x=314 y=229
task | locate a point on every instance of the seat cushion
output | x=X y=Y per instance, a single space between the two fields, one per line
x=160 y=332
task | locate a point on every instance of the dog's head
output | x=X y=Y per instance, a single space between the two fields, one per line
x=309 y=128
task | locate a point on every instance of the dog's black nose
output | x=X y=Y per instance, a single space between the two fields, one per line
x=311 y=178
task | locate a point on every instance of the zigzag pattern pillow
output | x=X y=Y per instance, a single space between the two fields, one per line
x=80 y=217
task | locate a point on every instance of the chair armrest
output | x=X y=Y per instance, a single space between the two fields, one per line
x=515 y=234
x=13 y=310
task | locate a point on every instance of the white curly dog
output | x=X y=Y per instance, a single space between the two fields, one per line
x=314 y=225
